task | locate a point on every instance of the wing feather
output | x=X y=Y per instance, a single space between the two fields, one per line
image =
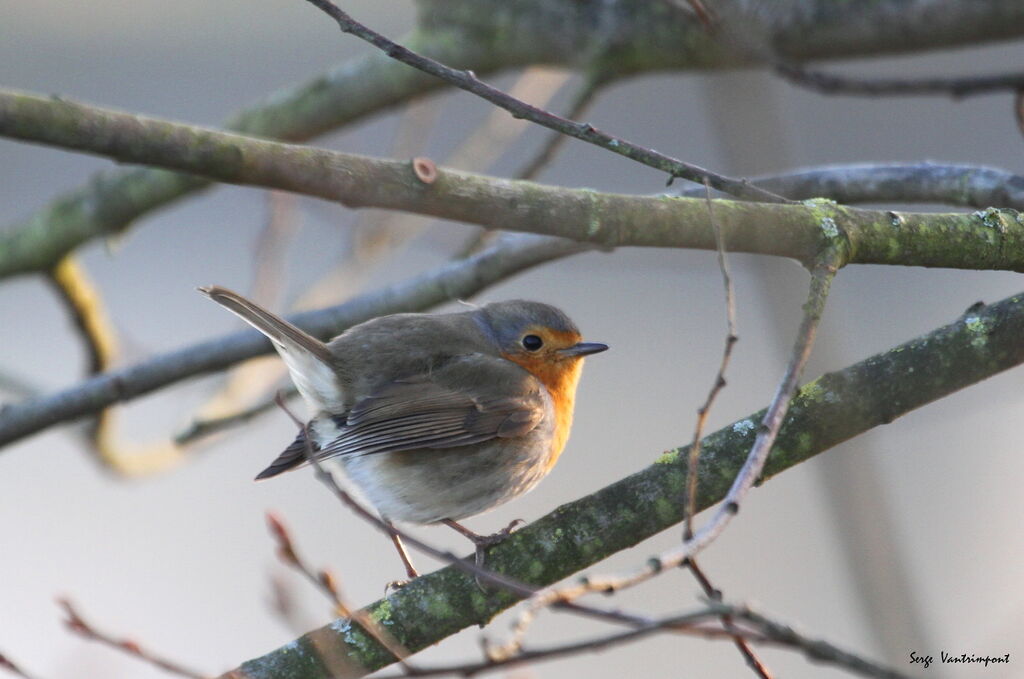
x=471 y=399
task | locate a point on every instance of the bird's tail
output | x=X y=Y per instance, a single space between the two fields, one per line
x=309 y=361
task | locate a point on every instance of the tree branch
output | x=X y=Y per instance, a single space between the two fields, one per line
x=824 y=413
x=989 y=239
x=958 y=88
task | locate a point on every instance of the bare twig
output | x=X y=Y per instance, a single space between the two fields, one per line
x=690 y=501
x=686 y=623
x=77 y=624
x=201 y=427
x=714 y=594
x=325 y=581
x=581 y=101
x=8 y=664
x=958 y=88
x=815 y=649
x=468 y=81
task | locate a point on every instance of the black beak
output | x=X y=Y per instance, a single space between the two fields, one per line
x=583 y=349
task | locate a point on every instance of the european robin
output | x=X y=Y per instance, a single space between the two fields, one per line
x=434 y=417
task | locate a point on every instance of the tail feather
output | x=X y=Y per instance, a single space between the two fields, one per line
x=309 y=361
x=293 y=456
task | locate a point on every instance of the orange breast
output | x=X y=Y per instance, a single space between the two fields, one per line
x=560 y=378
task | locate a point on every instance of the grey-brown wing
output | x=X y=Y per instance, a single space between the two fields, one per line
x=471 y=399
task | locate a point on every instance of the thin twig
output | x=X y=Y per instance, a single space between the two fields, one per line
x=958 y=88
x=77 y=624
x=815 y=649
x=764 y=631
x=327 y=583
x=686 y=623
x=468 y=81
x=202 y=427
x=690 y=503
x=715 y=594
x=581 y=101
x=8 y=664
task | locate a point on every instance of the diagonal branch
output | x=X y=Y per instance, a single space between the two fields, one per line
x=824 y=413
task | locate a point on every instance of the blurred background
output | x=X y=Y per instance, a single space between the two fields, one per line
x=907 y=538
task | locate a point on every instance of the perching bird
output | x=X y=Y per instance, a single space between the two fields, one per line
x=435 y=417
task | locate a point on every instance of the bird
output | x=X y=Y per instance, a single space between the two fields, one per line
x=435 y=417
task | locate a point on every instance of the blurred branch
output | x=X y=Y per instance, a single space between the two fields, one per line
x=83 y=303
x=578 y=106
x=582 y=98
x=958 y=88
x=8 y=665
x=989 y=239
x=825 y=412
x=325 y=581
x=77 y=624
x=18 y=386
x=200 y=427
x=455 y=280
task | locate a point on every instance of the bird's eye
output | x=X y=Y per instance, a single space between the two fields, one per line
x=532 y=343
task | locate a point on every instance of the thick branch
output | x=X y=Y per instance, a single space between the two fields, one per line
x=826 y=412
x=457 y=280
x=990 y=239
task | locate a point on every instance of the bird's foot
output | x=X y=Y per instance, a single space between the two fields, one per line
x=483 y=542
x=394 y=586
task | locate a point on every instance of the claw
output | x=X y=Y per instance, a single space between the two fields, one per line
x=482 y=542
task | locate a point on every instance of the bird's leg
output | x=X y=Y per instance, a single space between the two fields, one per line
x=410 y=570
x=482 y=542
